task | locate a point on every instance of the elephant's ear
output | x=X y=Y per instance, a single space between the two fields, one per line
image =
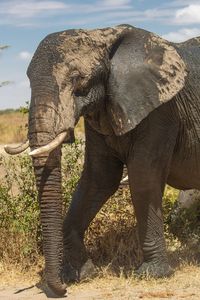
x=146 y=71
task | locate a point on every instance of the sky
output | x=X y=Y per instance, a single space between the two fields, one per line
x=24 y=23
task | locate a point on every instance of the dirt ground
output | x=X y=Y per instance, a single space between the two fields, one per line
x=184 y=284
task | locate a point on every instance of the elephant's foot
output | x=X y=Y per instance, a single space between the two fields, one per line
x=70 y=274
x=88 y=270
x=155 y=269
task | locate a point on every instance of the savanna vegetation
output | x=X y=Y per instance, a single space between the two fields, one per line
x=13 y=126
x=112 y=237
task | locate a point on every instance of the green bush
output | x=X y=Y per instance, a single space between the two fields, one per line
x=184 y=223
x=169 y=202
x=72 y=163
x=20 y=232
x=19 y=211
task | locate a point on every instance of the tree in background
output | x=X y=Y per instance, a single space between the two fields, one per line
x=3 y=83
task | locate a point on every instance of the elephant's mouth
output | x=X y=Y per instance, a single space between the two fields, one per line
x=65 y=136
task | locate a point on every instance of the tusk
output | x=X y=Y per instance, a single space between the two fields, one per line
x=50 y=146
x=16 y=150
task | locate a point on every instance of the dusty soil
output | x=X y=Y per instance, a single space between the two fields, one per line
x=185 y=284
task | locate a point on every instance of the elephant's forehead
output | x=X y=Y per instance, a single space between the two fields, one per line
x=71 y=50
x=84 y=50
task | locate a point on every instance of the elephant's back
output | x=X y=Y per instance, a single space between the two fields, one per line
x=190 y=53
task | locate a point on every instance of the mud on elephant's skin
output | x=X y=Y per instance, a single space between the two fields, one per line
x=140 y=98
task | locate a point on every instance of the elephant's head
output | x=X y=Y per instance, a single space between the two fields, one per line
x=68 y=75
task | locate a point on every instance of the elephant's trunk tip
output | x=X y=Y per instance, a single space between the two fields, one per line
x=16 y=150
x=52 y=291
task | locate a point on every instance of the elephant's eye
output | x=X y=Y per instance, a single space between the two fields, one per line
x=78 y=83
x=74 y=73
x=75 y=78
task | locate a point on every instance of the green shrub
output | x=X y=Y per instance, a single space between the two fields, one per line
x=19 y=211
x=169 y=201
x=184 y=223
x=72 y=163
x=20 y=232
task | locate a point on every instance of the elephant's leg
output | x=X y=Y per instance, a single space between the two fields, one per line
x=148 y=208
x=148 y=171
x=100 y=179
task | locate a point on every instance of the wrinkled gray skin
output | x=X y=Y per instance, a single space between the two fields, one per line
x=125 y=123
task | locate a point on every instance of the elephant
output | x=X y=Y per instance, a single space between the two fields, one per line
x=140 y=98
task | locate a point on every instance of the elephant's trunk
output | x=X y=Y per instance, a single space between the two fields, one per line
x=48 y=180
x=42 y=130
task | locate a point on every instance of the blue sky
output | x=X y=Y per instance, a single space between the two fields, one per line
x=23 y=23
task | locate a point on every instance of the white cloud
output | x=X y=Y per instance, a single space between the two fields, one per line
x=181 y=3
x=31 y=13
x=158 y=13
x=182 y=34
x=114 y=3
x=188 y=15
x=29 y=8
x=25 y=55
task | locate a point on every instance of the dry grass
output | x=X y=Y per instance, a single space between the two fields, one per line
x=13 y=127
x=112 y=238
x=16 y=273
x=80 y=129
x=184 y=284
